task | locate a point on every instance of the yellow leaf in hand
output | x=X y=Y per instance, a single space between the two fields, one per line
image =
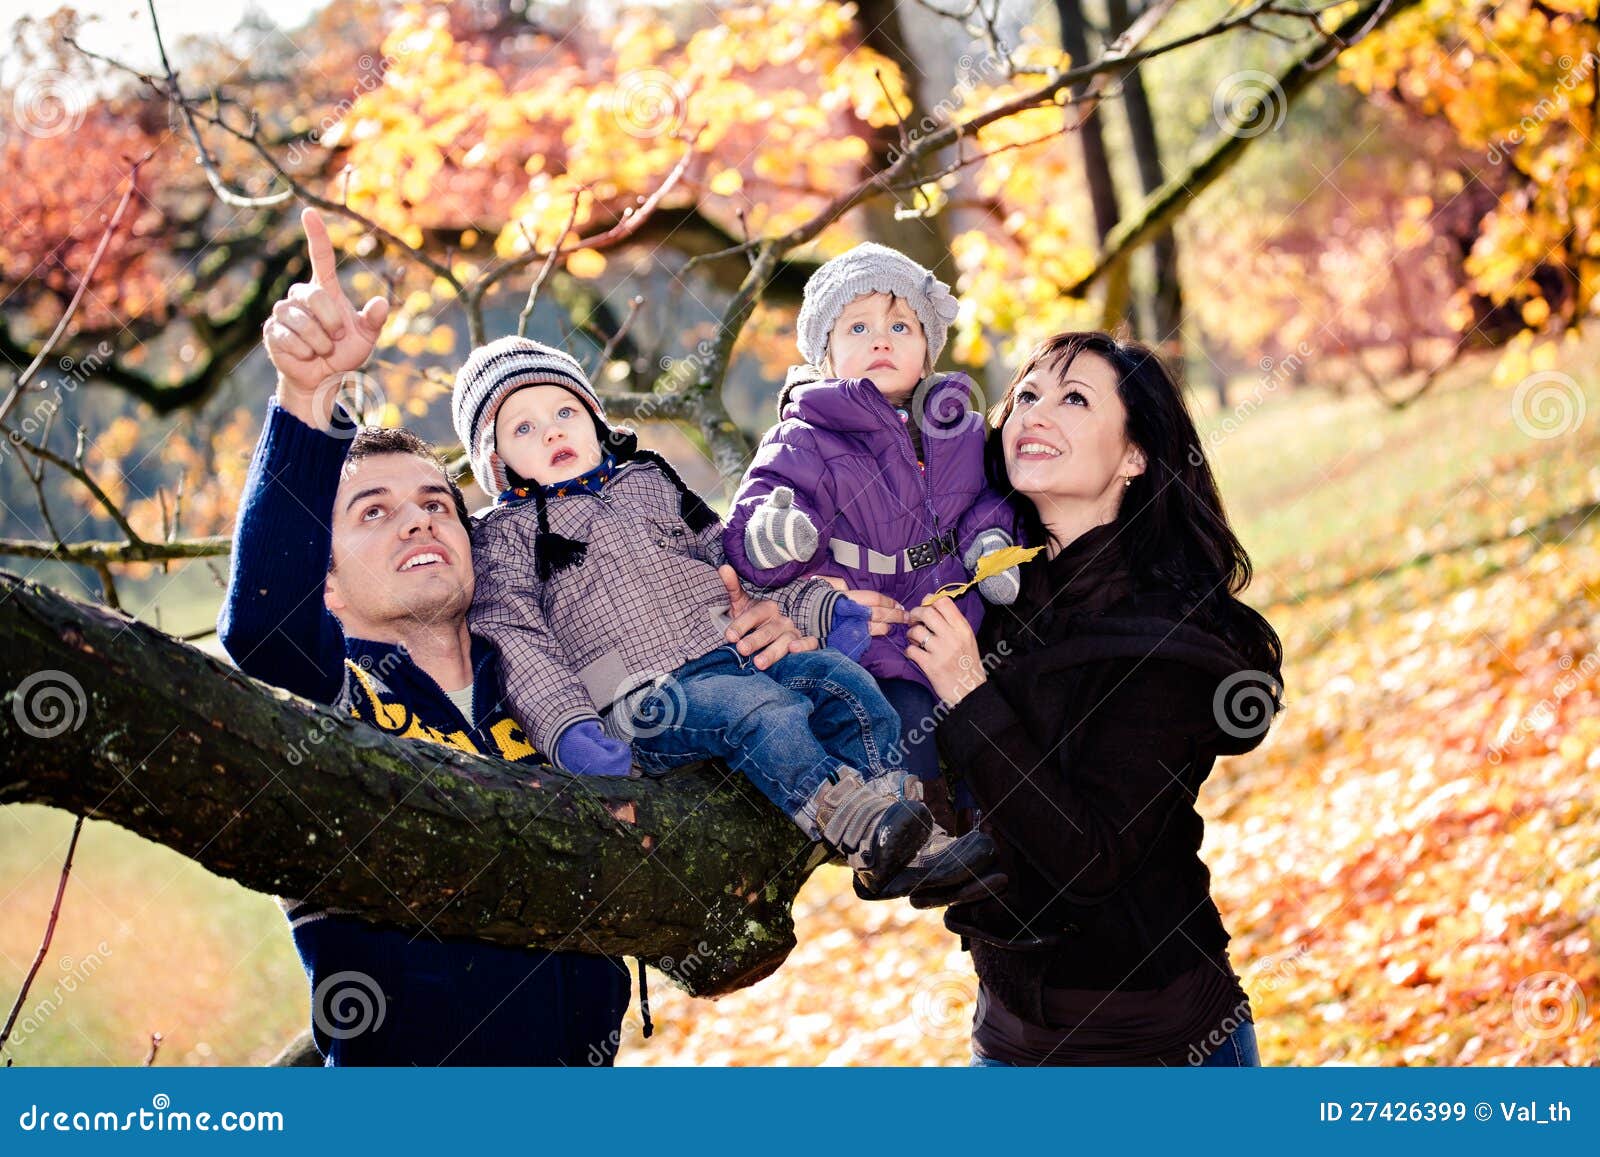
x=989 y=565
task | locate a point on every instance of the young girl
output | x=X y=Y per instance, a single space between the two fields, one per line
x=874 y=476
x=597 y=580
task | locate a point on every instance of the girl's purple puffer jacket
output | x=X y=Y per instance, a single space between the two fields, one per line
x=844 y=451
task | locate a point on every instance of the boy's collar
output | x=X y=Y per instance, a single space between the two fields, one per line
x=591 y=481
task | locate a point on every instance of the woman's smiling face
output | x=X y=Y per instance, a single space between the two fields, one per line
x=1065 y=439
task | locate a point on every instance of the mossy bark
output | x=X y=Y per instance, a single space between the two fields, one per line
x=107 y=717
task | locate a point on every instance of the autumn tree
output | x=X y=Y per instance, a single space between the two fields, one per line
x=504 y=168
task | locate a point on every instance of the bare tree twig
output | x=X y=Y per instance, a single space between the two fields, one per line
x=549 y=264
x=35 y=475
x=108 y=587
x=49 y=933
x=94 y=554
x=77 y=470
x=328 y=205
x=26 y=375
x=1162 y=205
x=224 y=193
x=633 y=220
x=616 y=338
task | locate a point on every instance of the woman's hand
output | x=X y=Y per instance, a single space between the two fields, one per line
x=885 y=611
x=941 y=642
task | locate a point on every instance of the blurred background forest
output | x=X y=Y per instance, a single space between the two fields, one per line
x=1367 y=231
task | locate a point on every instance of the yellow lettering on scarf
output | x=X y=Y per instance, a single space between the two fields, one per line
x=459 y=740
x=510 y=739
x=397 y=718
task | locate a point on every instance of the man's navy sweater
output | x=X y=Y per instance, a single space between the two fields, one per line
x=444 y=1002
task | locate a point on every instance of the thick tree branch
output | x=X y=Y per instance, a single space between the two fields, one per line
x=228 y=338
x=110 y=718
x=117 y=553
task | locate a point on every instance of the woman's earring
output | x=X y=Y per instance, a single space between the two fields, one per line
x=1127 y=482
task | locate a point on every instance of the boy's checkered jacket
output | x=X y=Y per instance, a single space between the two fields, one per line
x=645 y=599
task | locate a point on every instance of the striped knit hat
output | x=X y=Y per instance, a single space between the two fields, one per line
x=872 y=268
x=492 y=374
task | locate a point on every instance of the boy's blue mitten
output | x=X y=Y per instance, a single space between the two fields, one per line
x=849 y=632
x=586 y=750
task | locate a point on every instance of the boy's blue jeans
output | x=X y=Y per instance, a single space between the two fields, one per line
x=787 y=729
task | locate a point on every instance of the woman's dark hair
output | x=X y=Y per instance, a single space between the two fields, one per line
x=1172 y=528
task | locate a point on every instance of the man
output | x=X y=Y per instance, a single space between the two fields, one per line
x=351 y=578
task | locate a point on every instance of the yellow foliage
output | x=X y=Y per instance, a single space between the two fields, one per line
x=1516 y=80
x=586 y=263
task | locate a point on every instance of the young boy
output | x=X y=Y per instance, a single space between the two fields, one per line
x=598 y=581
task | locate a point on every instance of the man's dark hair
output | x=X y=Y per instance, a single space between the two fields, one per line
x=374 y=440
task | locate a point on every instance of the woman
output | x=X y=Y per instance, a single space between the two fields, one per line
x=1088 y=714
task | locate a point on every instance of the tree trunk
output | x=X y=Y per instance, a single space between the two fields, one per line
x=924 y=239
x=1164 y=206
x=1091 y=135
x=1166 y=288
x=1097 y=172
x=107 y=717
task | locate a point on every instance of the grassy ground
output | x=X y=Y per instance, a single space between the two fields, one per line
x=1407 y=865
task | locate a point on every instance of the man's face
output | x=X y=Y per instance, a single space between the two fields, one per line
x=546 y=435
x=400 y=554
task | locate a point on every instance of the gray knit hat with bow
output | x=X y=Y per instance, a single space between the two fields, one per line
x=493 y=373
x=872 y=268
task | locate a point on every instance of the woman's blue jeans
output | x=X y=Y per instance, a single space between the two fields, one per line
x=1237 y=1052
